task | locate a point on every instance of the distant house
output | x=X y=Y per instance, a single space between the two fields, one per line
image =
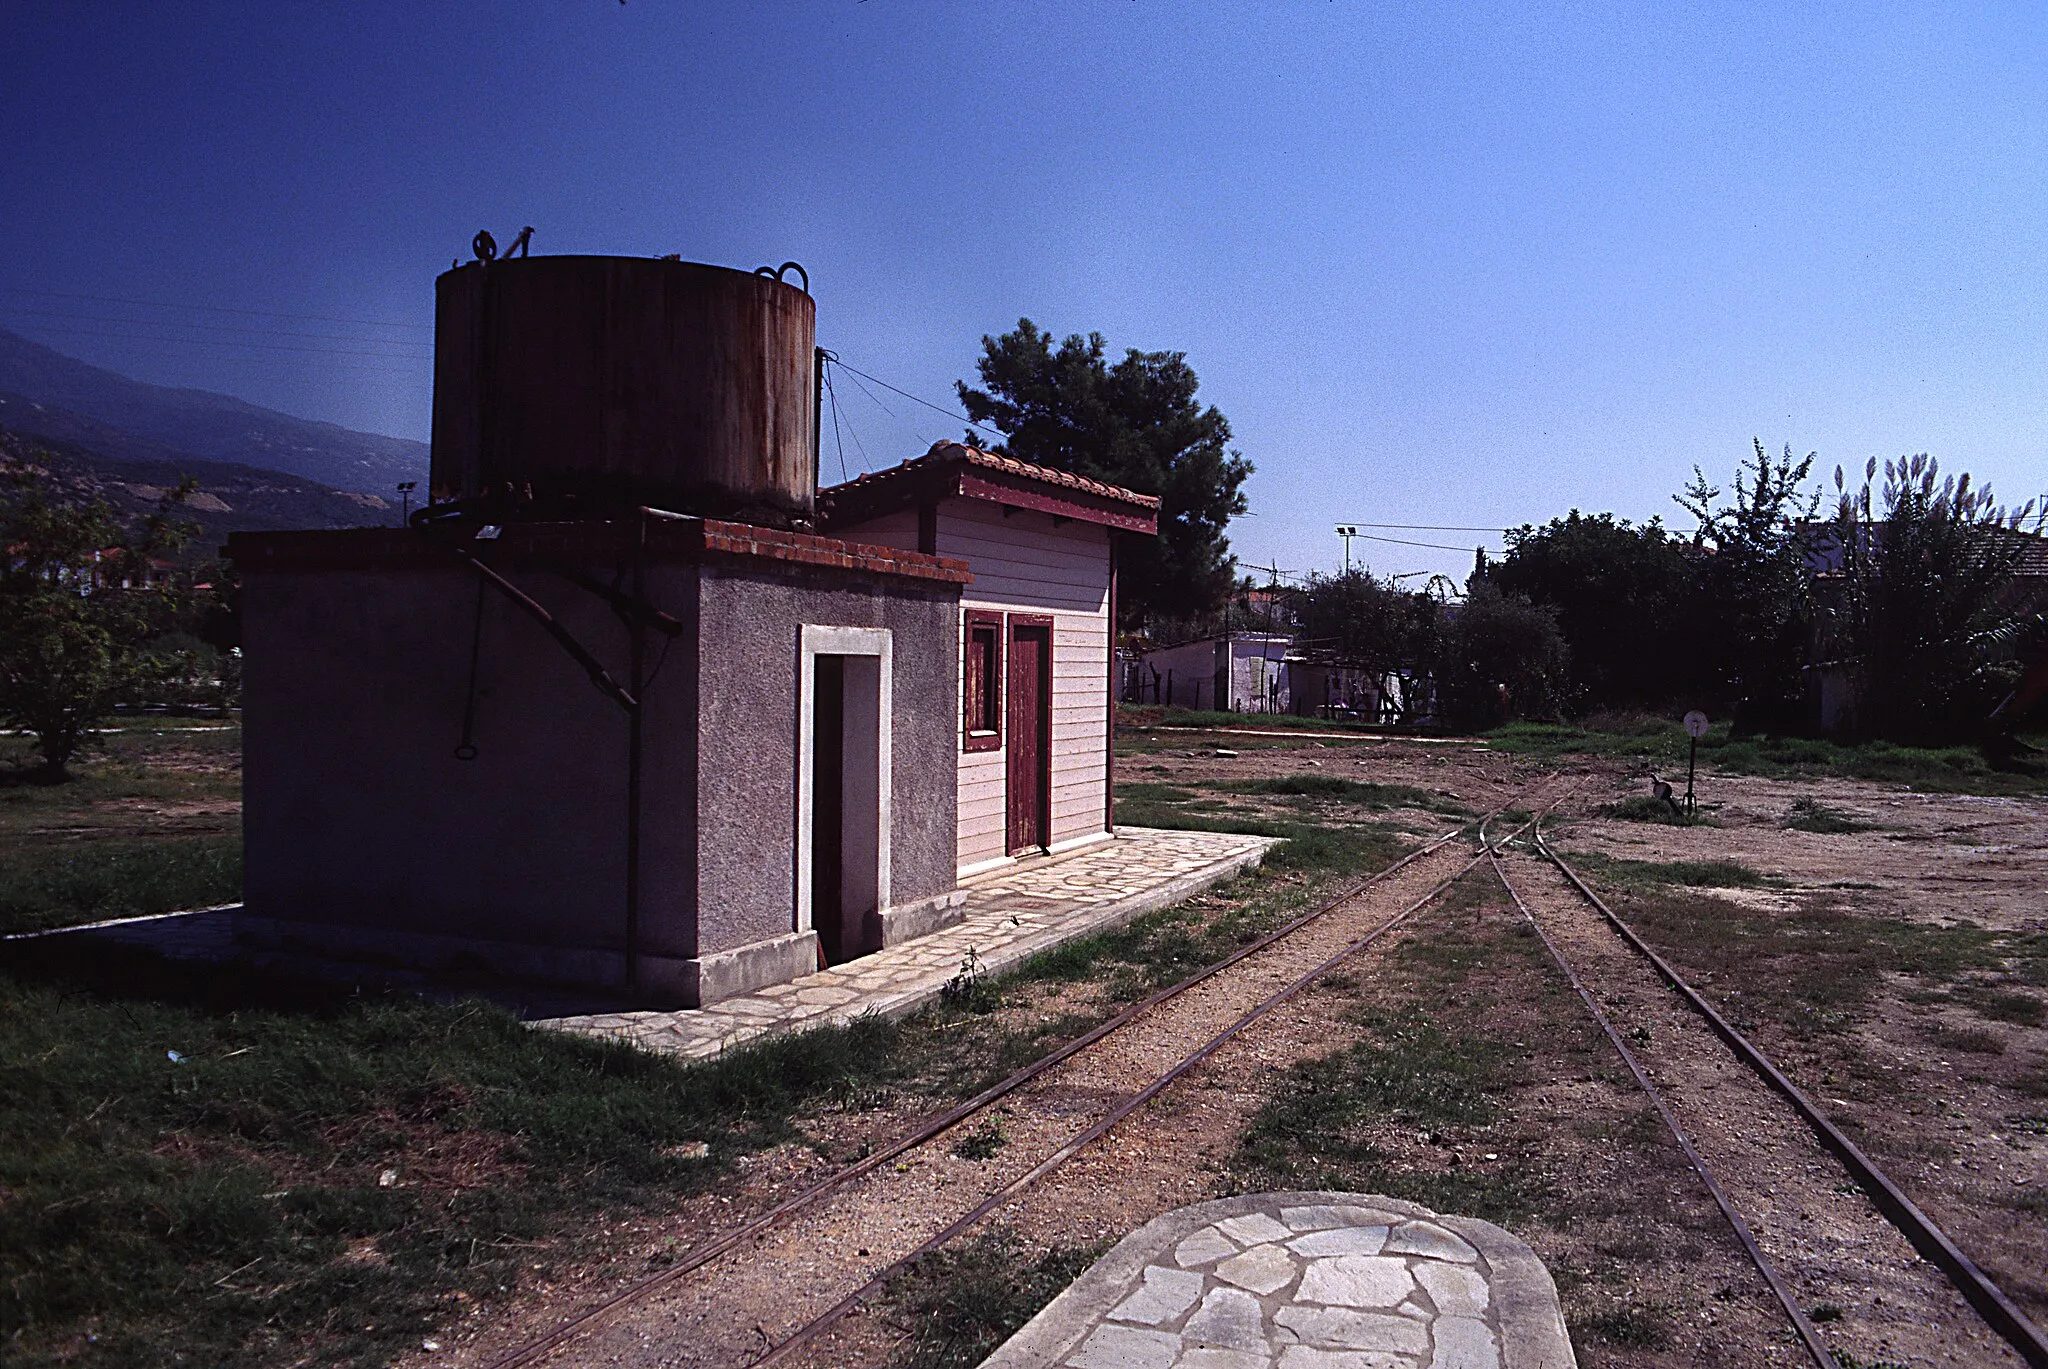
x=1036 y=625
x=1236 y=672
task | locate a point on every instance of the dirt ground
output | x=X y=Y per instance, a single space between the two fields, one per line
x=1895 y=970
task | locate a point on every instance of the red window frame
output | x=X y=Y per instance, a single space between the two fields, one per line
x=981 y=681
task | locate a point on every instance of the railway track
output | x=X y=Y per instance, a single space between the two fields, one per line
x=1558 y=929
x=1152 y=1036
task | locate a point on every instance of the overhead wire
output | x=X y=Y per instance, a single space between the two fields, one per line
x=914 y=431
x=1424 y=527
x=935 y=408
x=1404 y=542
x=837 y=441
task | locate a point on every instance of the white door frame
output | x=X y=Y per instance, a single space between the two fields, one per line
x=815 y=641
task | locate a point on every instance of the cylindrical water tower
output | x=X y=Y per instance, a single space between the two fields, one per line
x=582 y=386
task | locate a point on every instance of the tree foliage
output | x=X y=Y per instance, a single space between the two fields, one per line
x=1625 y=600
x=1363 y=621
x=79 y=607
x=1137 y=424
x=1755 y=582
x=1923 y=610
x=1502 y=658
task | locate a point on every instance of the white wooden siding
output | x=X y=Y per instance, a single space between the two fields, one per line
x=1024 y=563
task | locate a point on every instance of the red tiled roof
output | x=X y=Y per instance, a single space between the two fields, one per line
x=864 y=495
x=943 y=453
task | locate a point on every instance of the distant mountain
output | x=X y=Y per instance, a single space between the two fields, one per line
x=230 y=497
x=145 y=422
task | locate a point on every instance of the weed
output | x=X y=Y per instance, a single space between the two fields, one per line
x=1823 y=1312
x=1644 y=808
x=955 y=1306
x=969 y=989
x=982 y=1143
x=1810 y=815
x=1636 y=1328
x=1974 y=1040
x=1849 y=1360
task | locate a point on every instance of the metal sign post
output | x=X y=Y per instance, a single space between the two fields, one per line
x=1695 y=728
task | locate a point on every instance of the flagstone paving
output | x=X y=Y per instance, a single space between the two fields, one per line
x=1303 y=1281
x=1010 y=914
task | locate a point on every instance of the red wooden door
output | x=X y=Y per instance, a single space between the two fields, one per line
x=1029 y=739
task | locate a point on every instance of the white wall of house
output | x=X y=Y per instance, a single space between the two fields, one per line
x=1241 y=673
x=1028 y=562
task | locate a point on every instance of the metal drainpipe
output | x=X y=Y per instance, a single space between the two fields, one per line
x=638 y=632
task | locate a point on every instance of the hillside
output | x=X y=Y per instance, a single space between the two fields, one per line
x=140 y=422
x=230 y=498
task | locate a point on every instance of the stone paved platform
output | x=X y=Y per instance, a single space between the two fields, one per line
x=1010 y=914
x=1303 y=1281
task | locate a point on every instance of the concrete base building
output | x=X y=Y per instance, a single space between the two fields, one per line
x=552 y=734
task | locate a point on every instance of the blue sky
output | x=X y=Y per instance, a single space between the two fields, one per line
x=1454 y=264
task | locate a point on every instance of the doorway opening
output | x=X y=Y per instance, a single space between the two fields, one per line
x=1028 y=772
x=843 y=789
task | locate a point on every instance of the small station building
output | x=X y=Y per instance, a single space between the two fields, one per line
x=631 y=707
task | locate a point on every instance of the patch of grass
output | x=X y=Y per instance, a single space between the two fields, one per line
x=1148 y=791
x=150 y=824
x=1315 y=1131
x=2001 y=1005
x=1643 y=874
x=1973 y=1040
x=1811 y=815
x=1812 y=966
x=956 y=1306
x=45 y=886
x=1361 y=792
x=1645 y=808
x=1164 y=947
x=251 y=1167
x=152 y=1148
x=1952 y=769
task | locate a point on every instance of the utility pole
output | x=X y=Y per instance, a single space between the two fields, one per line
x=1347 y=531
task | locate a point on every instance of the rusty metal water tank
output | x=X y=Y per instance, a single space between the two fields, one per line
x=600 y=383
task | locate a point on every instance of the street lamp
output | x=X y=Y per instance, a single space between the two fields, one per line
x=405 y=489
x=1347 y=531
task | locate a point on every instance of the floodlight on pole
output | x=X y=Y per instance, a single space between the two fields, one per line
x=1347 y=531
